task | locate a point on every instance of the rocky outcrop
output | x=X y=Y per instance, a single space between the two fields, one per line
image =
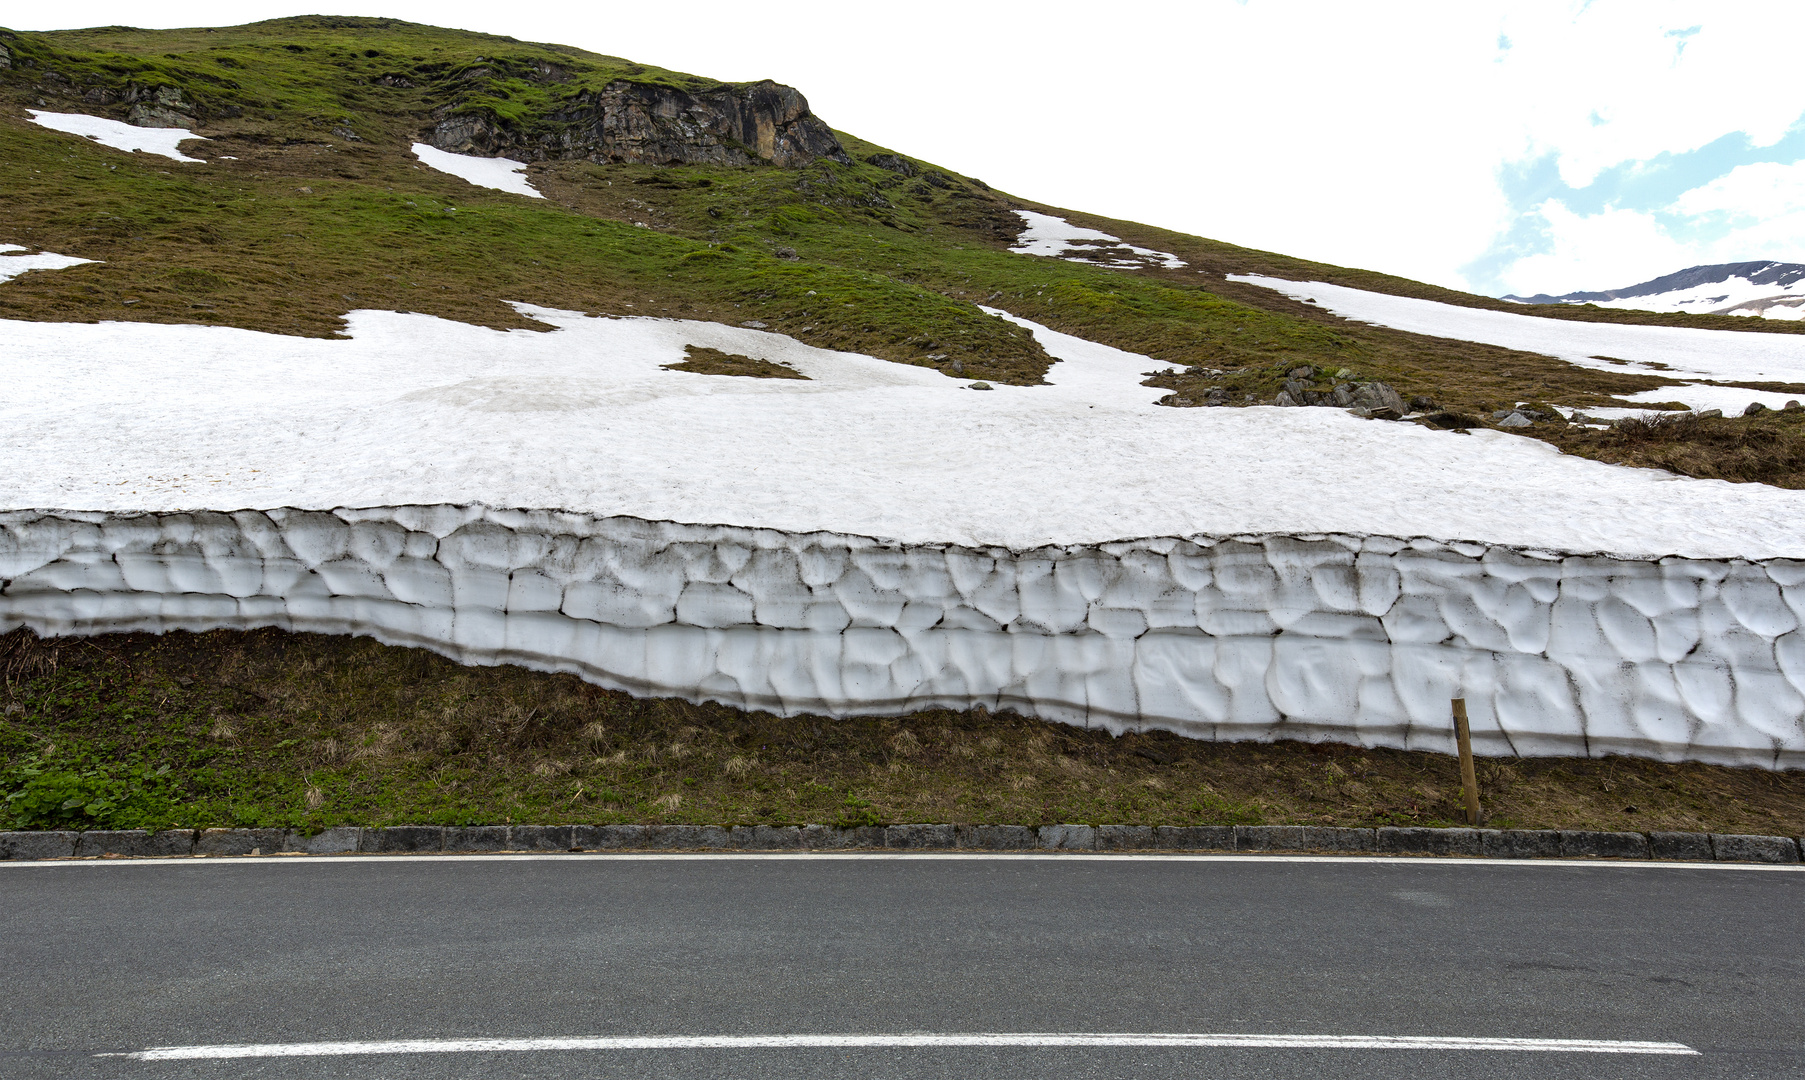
x=658 y=125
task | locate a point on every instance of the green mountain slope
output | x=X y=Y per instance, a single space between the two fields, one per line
x=312 y=204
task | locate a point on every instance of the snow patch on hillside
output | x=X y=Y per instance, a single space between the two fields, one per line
x=120 y=136
x=412 y=409
x=12 y=265
x=502 y=174
x=1057 y=238
x=1674 y=351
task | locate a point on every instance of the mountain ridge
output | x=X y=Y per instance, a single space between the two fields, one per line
x=1747 y=288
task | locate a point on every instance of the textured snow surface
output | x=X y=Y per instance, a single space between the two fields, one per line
x=1057 y=238
x=1358 y=640
x=417 y=410
x=11 y=265
x=502 y=174
x=118 y=135
x=1711 y=354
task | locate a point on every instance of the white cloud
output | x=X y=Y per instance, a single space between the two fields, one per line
x=1762 y=190
x=1596 y=251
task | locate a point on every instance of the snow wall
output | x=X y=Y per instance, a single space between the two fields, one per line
x=1352 y=639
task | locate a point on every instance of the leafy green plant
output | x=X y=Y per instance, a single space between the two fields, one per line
x=40 y=793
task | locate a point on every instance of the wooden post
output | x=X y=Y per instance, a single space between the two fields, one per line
x=1469 y=780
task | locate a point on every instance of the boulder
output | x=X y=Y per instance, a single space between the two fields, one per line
x=1755 y=409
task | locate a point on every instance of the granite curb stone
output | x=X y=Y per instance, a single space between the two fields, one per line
x=998 y=837
x=38 y=845
x=1603 y=845
x=1760 y=849
x=767 y=837
x=476 y=838
x=342 y=840
x=539 y=837
x=838 y=838
x=137 y=843
x=1195 y=837
x=240 y=841
x=1520 y=843
x=1680 y=846
x=1068 y=837
x=396 y=839
x=920 y=837
x=1302 y=838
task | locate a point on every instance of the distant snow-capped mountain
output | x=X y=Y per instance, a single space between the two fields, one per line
x=1771 y=290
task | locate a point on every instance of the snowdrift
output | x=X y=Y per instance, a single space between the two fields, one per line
x=1310 y=637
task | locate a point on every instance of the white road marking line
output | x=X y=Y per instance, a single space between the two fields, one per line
x=786 y=1042
x=374 y=858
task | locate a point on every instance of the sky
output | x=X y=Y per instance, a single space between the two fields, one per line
x=1516 y=147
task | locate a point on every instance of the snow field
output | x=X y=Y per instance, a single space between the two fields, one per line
x=120 y=136
x=502 y=174
x=1685 y=351
x=130 y=417
x=1361 y=640
x=1056 y=238
x=12 y=265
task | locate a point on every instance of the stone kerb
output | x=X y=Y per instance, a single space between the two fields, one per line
x=1250 y=839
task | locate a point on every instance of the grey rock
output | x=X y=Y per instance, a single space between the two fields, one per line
x=539 y=837
x=785 y=253
x=1297 y=388
x=607 y=837
x=1301 y=838
x=842 y=838
x=239 y=841
x=1068 y=838
x=920 y=837
x=1284 y=400
x=1194 y=837
x=404 y=838
x=1680 y=846
x=1791 y=406
x=1755 y=409
x=1429 y=841
x=998 y=837
x=476 y=838
x=753 y=324
x=6 y=58
x=1520 y=843
x=48 y=844
x=1423 y=404
x=646 y=124
x=979 y=386
x=136 y=842
x=1758 y=849
x=1500 y=414
x=766 y=837
x=1380 y=400
x=339 y=841
x=699 y=837
x=1342 y=395
x=1305 y=372
x=1582 y=844
x=893 y=163
x=835 y=838
x=1124 y=837
x=1515 y=420
x=1708 y=414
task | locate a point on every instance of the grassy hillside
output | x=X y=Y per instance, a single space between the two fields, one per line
x=313 y=205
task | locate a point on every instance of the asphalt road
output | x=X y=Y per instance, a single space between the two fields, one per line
x=124 y=956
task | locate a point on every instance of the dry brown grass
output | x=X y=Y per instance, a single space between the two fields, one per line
x=1766 y=449
x=328 y=730
x=706 y=361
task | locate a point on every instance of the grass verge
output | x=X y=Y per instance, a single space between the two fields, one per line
x=270 y=729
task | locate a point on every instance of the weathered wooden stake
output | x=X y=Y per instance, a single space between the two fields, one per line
x=1469 y=780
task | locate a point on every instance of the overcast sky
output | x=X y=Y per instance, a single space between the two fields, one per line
x=1498 y=147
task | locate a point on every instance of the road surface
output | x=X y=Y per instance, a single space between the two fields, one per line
x=935 y=966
